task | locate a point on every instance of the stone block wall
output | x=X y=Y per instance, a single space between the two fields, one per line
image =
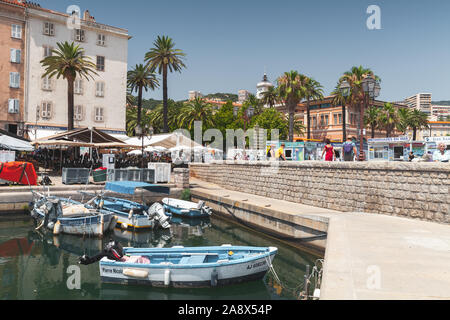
x=415 y=190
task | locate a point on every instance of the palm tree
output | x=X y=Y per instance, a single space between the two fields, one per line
x=68 y=62
x=163 y=57
x=340 y=100
x=371 y=119
x=313 y=90
x=138 y=79
x=132 y=119
x=388 y=118
x=404 y=119
x=291 y=87
x=418 y=121
x=173 y=112
x=270 y=97
x=196 y=110
x=256 y=103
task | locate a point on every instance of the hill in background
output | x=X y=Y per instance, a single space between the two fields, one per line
x=441 y=103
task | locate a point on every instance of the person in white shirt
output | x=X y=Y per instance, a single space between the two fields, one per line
x=441 y=155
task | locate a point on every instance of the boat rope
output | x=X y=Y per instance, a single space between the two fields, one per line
x=277 y=278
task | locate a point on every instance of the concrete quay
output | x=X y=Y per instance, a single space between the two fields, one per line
x=367 y=256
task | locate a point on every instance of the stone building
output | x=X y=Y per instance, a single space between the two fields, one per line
x=12 y=65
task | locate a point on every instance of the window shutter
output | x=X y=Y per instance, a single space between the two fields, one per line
x=13 y=55
x=18 y=56
x=11 y=106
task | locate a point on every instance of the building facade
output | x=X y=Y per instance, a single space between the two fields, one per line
x=263 y=86
x=440 y=112
x=12 y=65
x=420 y=101
x=99 y=102
x=194 y=95
x=243 y=95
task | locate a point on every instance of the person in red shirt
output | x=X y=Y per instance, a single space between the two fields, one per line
x=328 y=151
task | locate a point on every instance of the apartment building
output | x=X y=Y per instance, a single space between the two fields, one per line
x=420 y=101
x=12 y=65
x=98 y=102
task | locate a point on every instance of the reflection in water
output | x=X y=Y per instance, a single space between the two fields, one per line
x=34 y=265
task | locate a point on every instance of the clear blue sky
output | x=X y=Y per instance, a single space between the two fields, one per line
x=228 y=43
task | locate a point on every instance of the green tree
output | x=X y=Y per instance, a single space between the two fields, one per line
x=271 y=119
x=388 y=118
x=340 y=100
x=157 y=116
x=313 y=90
x=270 y=97
x=291 y=87
x=224 y=118
x=138 y=79
x=418 y=121
x=404 y=120
x=164 y=58
x=371 y=119
x=132 y=119
x=69 y=62
x=196 y=110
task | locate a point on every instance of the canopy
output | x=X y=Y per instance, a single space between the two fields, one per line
x=134 y=153
x=113 y=145
x=129 y=187
x=87 y=135
x=11 y=143
x=63 y=143
x=157 y=149
x=167 y=140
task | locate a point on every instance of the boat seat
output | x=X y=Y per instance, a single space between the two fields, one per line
x=193 y=259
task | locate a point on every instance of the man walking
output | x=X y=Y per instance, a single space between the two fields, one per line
x=349 y=149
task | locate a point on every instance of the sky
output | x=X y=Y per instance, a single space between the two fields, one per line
x=229 y=44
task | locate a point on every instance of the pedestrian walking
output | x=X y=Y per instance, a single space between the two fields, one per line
x=328 y=150
x=280 y=153
x=349 y=148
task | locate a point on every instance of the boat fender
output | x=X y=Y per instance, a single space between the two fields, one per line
x=57 y=229
x=124 y=226
x=51 y=225
x=316 y=294
x=135 y=273
x=130 y=214
x=167 y=278
x=214 y=278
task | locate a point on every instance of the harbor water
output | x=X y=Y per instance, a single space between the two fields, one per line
x=36 y=266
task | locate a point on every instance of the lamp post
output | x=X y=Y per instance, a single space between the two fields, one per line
x=143 y=132
x=371 y=89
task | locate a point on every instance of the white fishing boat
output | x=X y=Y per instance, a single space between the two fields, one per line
x=185 y=267
x=186 y=209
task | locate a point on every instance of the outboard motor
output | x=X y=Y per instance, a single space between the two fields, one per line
x=113 y=251
x=157 y=211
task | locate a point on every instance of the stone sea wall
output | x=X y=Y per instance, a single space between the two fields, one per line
x=414 y=190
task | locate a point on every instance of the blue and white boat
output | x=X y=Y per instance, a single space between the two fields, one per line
x=61 y=215
x=131 y=214
x=186 y=209
x=188 y=267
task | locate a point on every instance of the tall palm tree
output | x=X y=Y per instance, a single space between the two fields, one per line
x=256 y=103
x=291 y=87
x=418 y=121
x=371 y=119
x=340 y=100
x=164 y=57
x=132 y=119
x=270 y=97
x=196 y=110
x=404 y=119
x=388 y=118
x=138 y=79
x=69 y=62
x=313 y=90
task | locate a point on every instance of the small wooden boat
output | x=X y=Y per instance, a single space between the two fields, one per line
x=188 y=267
x=132 y=214
x=61 y=215
x=186 y=208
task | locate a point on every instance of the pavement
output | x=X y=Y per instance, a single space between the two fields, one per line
x=370 y=256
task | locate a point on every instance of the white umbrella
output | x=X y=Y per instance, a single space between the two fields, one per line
x=134 y=153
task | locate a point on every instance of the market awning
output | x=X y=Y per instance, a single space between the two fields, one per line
x=113 y=145
x=62 y=143
x=84 y=135
x=10 y=143
x=168 y=140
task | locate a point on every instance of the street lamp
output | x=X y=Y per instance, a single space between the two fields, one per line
x=371 y=88
x=344 y=87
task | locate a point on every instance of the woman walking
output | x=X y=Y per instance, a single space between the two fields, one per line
x=328 y=150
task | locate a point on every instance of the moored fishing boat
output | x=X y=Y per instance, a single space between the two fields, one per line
x=61 y=215
x=186 y=208
x=183 y=267
x=131 y=214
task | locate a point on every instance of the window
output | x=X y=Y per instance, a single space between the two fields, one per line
x=78 y=113
x=327 y=119
x=16 y=31
x=13 y=106
x=79 y=35
x=322 y=120
x=15 y=55
x=49 y=29
x=99 y=114
x=335 y=116
x=340 y=118
x=14 y=80
x=78 y=86
x=314 y=121
x=47 y=84
x=48 y=51
x=100 y=89
x=46 y=110
x=100 y=63
x=101 y=40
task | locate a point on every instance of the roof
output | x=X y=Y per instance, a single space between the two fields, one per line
x=14 y=2
x=83 y=135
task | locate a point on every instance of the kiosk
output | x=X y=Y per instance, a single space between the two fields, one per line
x=389 y=149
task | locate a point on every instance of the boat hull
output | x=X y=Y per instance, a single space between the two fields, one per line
x=189 y=275
x=118 y=206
